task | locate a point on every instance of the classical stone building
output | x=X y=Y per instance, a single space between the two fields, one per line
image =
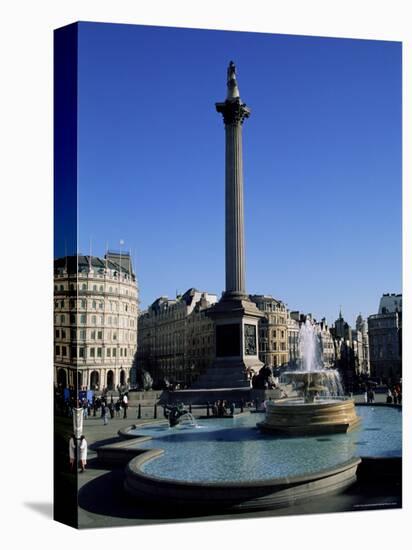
x=273 y=331
x=326 y=344
x=362 y=345
x=293 y=326
x=175 y=337
x=385 y=339
x=344 y=350
x=95 y=320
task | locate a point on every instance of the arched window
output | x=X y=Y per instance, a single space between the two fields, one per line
x=84 y=286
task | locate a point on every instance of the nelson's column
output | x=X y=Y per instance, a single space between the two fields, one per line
x=236 y=317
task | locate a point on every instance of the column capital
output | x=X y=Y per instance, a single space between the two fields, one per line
x=234 y=111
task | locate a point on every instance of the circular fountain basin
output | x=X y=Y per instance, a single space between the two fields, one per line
x=229 y=463
x=323 y=416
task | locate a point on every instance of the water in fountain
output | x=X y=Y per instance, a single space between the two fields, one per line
x=189 y=418
x=311 y=365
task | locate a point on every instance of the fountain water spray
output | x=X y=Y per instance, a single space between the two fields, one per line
x=315 y=380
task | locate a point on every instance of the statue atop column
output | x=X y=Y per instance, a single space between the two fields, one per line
x=232 y=89
x=233 y=109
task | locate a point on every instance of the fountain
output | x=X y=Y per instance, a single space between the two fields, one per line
x=321 y=406
x=175 y=414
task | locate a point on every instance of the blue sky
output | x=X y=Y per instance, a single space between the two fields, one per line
x=322 y=161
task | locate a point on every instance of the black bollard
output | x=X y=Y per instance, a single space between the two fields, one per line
x=155 y=411
x=190 y=408
x=139 y=411
x=241 y=406
x=257 y=405
x=207 y=409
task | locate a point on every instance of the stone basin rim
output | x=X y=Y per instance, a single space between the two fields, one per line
x=135 y=464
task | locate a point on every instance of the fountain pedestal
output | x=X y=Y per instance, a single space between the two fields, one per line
x=294 y=417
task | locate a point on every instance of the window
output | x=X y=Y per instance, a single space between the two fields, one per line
x=83 y=304
x=61 y=287
x=73 y=319
x=110 y=289
x=62 y=318
x=82 y=353
x=100 y=305
x=62 y=304
x=101 y=288
x=83 y=319
x=121 y=352
x=94 y=304
x=99 y=352
x=57 y=350
x=93 y=319
x=93 y=335
x=100 y=335
x=92 y=352
x=63 y=334
x=108 y=352
x=57 y=333
x=125 y=352
x=84 y=286
x=64 y=351
x=95 y=288
x=114 y=352
x=114 y=335
x=82 y=334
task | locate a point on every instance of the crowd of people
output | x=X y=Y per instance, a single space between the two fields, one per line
x=394 y=395
x=221 y=408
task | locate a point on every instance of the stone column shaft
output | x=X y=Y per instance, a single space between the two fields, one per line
x=235 y=246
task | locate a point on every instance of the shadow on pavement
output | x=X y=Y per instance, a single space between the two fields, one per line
x=43 y=508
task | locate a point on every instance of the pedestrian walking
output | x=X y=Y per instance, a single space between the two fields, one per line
x=83 y=453
x=125 y=405
x=72 y=451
